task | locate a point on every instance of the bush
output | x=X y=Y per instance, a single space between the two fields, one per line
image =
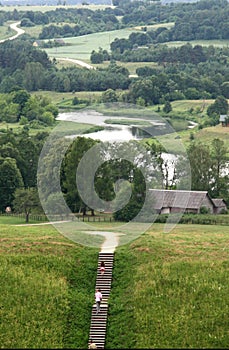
x=204 y=210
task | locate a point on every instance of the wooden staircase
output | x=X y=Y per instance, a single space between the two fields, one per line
x=99 y=321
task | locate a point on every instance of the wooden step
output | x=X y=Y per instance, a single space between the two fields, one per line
x=99 y=321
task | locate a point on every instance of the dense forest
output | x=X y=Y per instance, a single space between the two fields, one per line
x=185 y=72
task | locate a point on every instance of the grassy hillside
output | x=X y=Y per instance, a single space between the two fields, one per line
x=169 y=290
x=47 y=289
x=81 y=47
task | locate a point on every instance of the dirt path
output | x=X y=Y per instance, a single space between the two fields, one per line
x=18 y=30
x=111 y=239
x=79 y=62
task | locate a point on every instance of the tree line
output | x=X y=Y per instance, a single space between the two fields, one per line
x=205 y=20
x=25 y=68
x=31 y=69
x=19 y=178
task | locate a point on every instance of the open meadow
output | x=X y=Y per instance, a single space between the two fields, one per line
x=169 y=290
x=81 y=47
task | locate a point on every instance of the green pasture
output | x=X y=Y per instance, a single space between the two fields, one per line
x=33 y=31
x=81 y=47
x=169 y=290
x=61 y=97
x=131 y=66
x=6 y=32
x=16 y=127
x=206 y=135
x=186 y=105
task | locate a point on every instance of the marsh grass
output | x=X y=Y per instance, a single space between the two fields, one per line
x=127 y=122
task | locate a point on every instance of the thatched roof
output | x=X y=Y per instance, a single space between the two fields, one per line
x=178 y=198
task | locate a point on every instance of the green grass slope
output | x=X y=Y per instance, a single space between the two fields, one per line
x=169 y=290
x=47 y=289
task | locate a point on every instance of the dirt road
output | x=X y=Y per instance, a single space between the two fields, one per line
x=18 y=30
x=79 y=62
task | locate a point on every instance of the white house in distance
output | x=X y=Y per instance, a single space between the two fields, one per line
x=224 y=119
x=176 y=201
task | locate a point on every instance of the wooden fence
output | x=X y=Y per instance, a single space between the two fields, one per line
x=72 y=217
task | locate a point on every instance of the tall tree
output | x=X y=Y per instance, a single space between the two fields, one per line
x=10 y=180
x=73 y=157
x=220 y=162
x=220 y=106
x=26 y=200
x=201 y=166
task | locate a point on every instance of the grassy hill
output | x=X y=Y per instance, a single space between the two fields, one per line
x=169 y=290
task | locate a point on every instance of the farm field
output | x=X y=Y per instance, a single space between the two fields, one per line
x=208 y=134
x=6 y=32
x=131 y=66
x=81 y=47
x=170 y=290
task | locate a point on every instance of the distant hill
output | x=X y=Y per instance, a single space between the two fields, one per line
x=52 y=2
x=71 y=2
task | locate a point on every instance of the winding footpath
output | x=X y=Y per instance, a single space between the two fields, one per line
x=20 y=31
x=79 y=62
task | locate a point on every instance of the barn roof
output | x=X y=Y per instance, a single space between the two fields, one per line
x=219 y=202
x=178 y=198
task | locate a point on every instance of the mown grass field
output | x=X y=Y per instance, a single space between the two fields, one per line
x=131 y=66
x=81 y=47
x=169 y=290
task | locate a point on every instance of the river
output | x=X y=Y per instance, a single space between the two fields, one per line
x=115 y=132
